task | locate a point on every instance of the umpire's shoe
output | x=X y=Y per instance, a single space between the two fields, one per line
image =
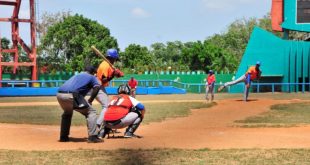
x=94 y=139
x=64 y=139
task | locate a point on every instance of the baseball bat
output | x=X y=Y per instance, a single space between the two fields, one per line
x=101 y=55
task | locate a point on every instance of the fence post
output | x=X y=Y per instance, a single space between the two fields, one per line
x=272 y=87
x=257 y=89
x=303 y=87
x=199 y=89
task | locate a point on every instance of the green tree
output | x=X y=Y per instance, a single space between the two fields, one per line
x=195 y=55
x=136 y=57
x=232 y=43
x=68 y=43
x=158 y=52
x=5 y=44
x=174 y=50
x=49 y=19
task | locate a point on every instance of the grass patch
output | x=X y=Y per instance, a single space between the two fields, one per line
x=28 y=99
x=158 y=156
x=281 y=115
x=51 y=114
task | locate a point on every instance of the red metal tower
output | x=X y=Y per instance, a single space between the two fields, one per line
x=16 y=39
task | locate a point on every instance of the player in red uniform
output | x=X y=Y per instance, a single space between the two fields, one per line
x=133 y=83
x=253 y=73
x=123 y=111
x=210 y=83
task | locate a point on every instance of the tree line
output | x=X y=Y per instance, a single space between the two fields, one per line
x=65 y=42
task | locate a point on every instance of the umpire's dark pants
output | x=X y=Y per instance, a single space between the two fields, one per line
x=65 y=100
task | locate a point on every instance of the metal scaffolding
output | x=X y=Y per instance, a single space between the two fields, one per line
x=17 y=40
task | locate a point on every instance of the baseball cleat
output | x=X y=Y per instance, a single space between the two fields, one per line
x=131 y=135
x=94 y=139
x=64 y=139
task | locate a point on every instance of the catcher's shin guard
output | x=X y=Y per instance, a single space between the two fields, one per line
x=131 y=129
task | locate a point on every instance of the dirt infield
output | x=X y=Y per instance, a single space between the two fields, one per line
x=205 y=128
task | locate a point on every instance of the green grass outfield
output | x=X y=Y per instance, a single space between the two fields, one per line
x=51 y=114
x=281 y=115
x=159 y=156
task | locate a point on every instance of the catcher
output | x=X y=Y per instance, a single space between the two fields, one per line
x=253 y=73
x=105 y=74
x=123 y=111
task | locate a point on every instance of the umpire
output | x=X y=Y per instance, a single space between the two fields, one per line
x=71 y=97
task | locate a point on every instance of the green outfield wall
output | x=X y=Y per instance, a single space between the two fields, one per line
x=192 y=81
x=184 y=77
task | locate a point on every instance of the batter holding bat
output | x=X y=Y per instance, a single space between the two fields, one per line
x=105 y=73
x=253 y=73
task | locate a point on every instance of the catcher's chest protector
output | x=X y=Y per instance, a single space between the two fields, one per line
x=118 y=108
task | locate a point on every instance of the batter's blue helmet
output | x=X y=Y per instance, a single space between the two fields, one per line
x=258 y=63
x=112 y=53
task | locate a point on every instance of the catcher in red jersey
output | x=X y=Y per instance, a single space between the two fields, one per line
x=123 y=111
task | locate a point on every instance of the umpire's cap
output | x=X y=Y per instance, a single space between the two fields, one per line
x=91 y=69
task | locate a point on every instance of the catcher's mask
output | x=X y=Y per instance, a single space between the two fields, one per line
x=123 y=89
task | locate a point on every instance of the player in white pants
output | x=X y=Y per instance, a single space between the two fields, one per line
x=123 y=111
x=253 y=73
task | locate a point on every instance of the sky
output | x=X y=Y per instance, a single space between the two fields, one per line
x=145 y=22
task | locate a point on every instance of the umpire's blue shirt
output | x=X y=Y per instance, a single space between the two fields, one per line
x=81 y=83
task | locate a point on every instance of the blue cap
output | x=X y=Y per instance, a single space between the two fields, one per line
x=112 y=53
x=211 y=72
x=258 y=63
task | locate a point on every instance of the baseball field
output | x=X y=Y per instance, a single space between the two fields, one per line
x=178 y=129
